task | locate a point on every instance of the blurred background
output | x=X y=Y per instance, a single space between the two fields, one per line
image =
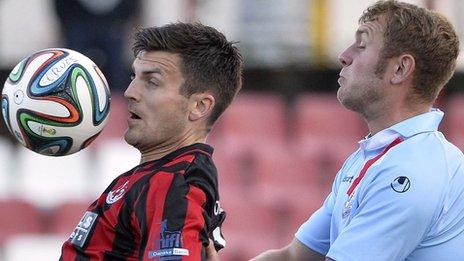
x=278 y=146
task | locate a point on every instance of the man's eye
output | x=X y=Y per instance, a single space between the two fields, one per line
x=154 y=82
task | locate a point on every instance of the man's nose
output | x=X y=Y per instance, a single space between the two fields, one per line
x=344 y=58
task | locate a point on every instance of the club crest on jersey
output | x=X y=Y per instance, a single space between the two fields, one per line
x=169 y=245
x=347 y=208
x=117 y=194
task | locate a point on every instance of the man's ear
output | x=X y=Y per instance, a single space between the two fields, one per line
x=200 y=105
x=403 y=70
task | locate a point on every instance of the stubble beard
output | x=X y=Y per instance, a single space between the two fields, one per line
x=165 y=135
x=129 y=137
x=360 y=99
x=348 y=100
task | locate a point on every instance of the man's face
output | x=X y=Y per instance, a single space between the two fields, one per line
x=158 y=111
x=360 y=86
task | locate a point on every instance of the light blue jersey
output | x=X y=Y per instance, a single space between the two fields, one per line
x=408 y=203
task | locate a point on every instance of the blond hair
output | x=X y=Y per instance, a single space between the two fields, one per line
x=426 y=35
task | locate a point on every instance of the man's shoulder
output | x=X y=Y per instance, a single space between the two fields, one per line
x=425 y=151
x=422 y=165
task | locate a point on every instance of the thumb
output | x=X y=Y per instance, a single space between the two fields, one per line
x=211 y=253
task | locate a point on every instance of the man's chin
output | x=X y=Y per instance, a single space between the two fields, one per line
x=348 y=102
x=342 y=97
x=129 y=138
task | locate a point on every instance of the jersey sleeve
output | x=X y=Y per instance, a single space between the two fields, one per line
x=171 y=219
x=203 y=176
x=393 y=213
x=315 y=232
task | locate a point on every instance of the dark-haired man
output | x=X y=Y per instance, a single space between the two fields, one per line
x=166 y=208
x=405 y=202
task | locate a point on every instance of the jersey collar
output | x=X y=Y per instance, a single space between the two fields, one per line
x=425 y=122
x=190 y=149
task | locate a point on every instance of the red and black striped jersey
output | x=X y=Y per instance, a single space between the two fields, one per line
x=165 y=209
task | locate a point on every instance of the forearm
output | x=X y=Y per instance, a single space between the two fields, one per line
x=273 y=255
x=294 y=251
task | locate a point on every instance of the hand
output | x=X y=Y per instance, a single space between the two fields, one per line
x=211 y=253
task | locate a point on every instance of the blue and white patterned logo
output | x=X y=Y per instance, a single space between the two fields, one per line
x=169 y=245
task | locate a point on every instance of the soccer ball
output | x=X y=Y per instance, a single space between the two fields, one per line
x=56 y=102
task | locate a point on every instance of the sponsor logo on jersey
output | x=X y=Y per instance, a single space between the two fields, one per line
x=169 y=245
x=79 y=236
x=347 y=179
x=117 y=194
x=401 y=184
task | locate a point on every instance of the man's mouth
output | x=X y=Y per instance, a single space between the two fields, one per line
x=134 y=116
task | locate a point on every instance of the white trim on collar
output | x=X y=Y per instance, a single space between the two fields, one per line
x=379 y=140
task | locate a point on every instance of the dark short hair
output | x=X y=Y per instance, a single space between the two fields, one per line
x=209 y=61
x=428 y=36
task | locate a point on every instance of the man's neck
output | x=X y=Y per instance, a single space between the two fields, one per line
x=389 y=117
x=162 y=150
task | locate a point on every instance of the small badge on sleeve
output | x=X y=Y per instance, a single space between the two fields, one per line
x=79 y=236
